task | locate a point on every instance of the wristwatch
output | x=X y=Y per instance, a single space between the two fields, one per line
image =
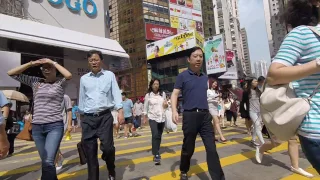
x=54 y=63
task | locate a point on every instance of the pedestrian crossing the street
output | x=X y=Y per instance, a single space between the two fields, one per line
x=134 y=160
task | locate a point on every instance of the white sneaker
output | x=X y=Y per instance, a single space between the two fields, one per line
x=259 y=156
x=301 y=172
x=59 y=163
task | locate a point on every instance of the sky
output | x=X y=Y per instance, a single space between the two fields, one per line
x=252 y=18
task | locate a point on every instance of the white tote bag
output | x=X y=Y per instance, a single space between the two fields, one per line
x=169 y=125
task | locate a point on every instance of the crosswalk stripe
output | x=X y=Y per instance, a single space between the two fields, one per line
x=226 y=161
x=76 y=141
x=295 y=176
x=116 y=145
x=76 y=160
x=70 y=175
x=74 y=136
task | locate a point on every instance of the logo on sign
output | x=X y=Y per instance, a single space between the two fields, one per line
x=76 y=7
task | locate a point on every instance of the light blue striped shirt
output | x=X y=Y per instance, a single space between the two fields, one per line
x=99 y=92
x=299 y=47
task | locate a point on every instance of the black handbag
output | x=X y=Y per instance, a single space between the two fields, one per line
x=82 y=155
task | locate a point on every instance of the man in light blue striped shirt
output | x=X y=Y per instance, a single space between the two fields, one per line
x=99 y=95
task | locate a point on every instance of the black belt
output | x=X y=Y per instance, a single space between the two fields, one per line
x=196 y=110
x=97 y=114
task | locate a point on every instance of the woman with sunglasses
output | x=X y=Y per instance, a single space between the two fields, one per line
x=47 y=122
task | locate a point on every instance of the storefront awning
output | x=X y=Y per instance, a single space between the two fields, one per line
x=26 y=30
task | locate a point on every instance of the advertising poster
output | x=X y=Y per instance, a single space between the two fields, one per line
x=189 y=4
x=173 y=44
x=197 y=5
x=173 y=1
x=183 y=24
x=199 y=27
x=157 y=32
x=188 y=12
x=191 y=25
x=181 y=2
x=231 y=65
x=174 y=22
x=215 y=55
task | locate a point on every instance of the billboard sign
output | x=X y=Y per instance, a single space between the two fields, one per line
x=232 y=72
x=157 y=32
x=186 y=15
x=173 y=44
x=215 y=55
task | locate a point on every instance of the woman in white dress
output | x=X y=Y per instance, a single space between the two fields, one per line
x=213 y=98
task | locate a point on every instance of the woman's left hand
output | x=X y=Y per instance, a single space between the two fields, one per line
x=165 y=104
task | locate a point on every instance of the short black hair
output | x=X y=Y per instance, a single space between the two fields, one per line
x=192 y=50
x=92 y=52
x=124 y=94
x=261 y=79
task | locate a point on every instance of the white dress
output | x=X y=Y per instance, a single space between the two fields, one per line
x=213 y=103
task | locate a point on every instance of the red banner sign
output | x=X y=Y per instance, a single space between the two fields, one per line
x=229 y=55
x=157 y=32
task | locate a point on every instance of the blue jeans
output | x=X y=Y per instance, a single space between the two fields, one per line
x=311 y=148
x=47 y=138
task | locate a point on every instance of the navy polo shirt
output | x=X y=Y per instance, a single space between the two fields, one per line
x=194 y=89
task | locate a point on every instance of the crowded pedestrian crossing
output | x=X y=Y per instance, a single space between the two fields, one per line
x=135 y=161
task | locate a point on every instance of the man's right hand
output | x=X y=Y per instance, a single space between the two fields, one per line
x=4 y=143
x=175 y=117
x=145 y=119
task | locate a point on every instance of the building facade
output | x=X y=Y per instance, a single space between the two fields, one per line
x=245 y=45
x=208 y=18
x=59 y=30
x=135 y=23
x=261 y=68
x=278 y=28
x=267 y=16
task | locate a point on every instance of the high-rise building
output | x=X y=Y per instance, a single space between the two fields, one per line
x=226 y=19
x=267 y=16
x=128 y=28
x=135 y=23
x=278 y=28
x=261 y=68
x=208 y=18
x=246 y=53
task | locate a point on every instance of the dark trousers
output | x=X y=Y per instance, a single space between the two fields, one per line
x=11 y=138
x=156 y=131
x=93 y=128
x=194 y=123
x=230 y=115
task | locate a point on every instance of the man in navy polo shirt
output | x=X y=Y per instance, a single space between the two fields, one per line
x=196 y=116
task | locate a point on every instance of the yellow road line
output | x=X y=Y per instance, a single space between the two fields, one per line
x=116 y=145
x=299 y=177
x=76 y=141
x=226 y=161
x=77 y=160
x=73 y=141
x=70 y=175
